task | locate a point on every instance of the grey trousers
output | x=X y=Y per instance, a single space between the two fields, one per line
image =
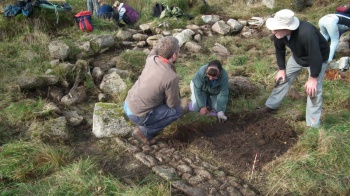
x=313 y=105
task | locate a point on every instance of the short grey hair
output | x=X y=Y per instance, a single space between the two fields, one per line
x=167 y=46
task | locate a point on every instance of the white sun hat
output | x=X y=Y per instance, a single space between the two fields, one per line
x=116 y=4
x=283 y=19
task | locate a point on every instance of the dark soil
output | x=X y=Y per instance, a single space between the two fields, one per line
x=236 y=142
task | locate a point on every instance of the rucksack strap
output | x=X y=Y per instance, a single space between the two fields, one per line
x=56 y=12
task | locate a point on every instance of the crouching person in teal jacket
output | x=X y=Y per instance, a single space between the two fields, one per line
x=210 y=90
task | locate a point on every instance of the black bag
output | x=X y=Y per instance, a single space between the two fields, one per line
x=157 y=9
x=27 y=10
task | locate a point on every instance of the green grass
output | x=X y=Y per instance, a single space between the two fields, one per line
x=133 y=61
x=318 y=165
x=7 y=133
x=338 y=92
x=24 y=161
x=21 y=111
x=84 y=178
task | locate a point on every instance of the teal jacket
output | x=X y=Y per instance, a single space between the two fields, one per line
x=202 y=88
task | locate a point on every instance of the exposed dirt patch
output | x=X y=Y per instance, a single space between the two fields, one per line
x=233 y=144
x=237 y=142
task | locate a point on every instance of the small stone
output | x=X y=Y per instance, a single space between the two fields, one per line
x=167 y=173
x=145 y=159
x=184 y=169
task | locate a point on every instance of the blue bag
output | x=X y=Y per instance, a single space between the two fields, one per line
x=12 y=10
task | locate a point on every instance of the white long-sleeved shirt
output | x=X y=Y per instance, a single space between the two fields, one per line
x=121 y=10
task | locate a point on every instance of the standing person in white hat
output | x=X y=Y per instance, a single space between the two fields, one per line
x=310 y=50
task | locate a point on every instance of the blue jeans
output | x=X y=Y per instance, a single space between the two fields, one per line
x=330 y=29
x=156 y=120
x=92 y=6
x=313 y=105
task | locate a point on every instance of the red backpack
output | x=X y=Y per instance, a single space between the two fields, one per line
x=345 y=8
x=84 y=21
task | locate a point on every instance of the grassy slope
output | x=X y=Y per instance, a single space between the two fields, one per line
x=317 y=165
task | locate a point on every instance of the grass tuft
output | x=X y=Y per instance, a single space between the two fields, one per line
x=23 y=161
x=316 y=166
x=84 y=178
x=22 y=111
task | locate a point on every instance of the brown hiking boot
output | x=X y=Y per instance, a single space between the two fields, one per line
x=138 y=135
x=152 y=141
x=265 y=109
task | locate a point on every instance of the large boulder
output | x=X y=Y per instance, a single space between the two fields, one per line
x=241 y=85
x=112 y=84
x=101 y=43
x=109 y=121
x=59 y=50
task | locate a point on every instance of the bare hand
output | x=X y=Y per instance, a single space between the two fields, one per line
x=280 y=74
x=311 y=86
x=203 y=111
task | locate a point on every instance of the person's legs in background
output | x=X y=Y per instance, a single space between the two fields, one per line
x=92 y=6
x=323 y=29
x=329 y=29
x=96 y=6
x=89 y=6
